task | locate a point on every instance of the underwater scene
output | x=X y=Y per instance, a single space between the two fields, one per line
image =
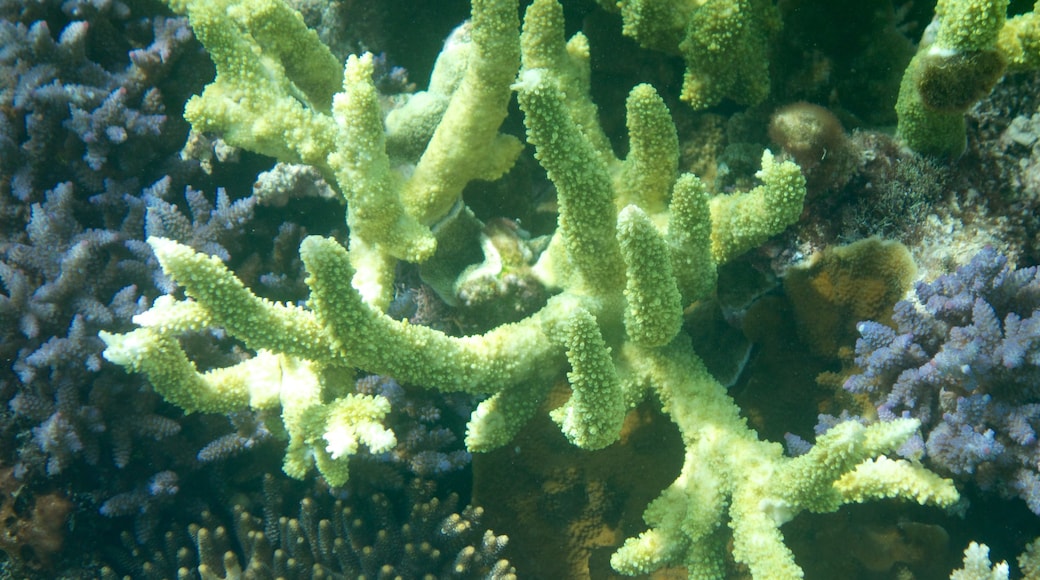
x=549 y=289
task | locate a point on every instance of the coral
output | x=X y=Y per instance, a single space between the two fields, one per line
x=1029 y=560
x=846 y=284
x=958 y=62
x=1019 y=41
x=366 y=535
x=32 y=524
x=723 y=42
x=817 y=142
x=146 y=503
x=211 y=225
x=428 y=447
x=64 y=283
x=82 y=124
x=635 y=243
x=963 y=359
x=250 y=431
x=977 y=565
x=100 y=119
x=287 y=181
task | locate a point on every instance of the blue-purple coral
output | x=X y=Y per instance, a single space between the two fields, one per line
x=964 y=359
x=67 y=117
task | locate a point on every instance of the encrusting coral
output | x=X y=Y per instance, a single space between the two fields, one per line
x=635 y=242
x=836 y=289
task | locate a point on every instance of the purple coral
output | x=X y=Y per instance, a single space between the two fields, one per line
x=964 y=359
x=66 y=117
x=425 y=446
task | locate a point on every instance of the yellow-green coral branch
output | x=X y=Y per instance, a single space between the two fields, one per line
x=968 y=25
x=728 y=467
x=689 y=239
x=584 y=191
x=259 y=323
x=308 y=63
x=1019 y=41
x=466 y=144
x=885 y=478
x=336 y=430
x=648 y=172
x=592 y=416
x=653 y=305
x=376 y=214
x=373 y=341
x=724 y=43
x=743 y=221
x=253 y=103
x=543 y=47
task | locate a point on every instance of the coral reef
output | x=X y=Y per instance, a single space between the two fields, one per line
x=635 y=242
x=963 y=360
x=457 y=315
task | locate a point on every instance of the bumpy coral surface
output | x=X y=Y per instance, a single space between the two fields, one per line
x=636 y=241
x=964 y=359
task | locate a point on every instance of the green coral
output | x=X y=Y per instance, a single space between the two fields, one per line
x=963 y=54
x=635 y=242
x=725 y=43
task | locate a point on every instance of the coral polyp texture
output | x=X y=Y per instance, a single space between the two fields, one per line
x=964 y=359
x=724 y=43
x=964 y=52
x=636 y=241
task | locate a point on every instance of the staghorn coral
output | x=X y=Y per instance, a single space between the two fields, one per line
x=963 y=53
x=724 y=43
x=373 y=535
x=963 y=359
x=635 y=242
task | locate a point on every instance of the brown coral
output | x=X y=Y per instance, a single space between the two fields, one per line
x=815 y=139
x=844 y=285
x=32 y=526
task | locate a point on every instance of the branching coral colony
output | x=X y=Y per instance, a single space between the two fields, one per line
x=635 y=242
